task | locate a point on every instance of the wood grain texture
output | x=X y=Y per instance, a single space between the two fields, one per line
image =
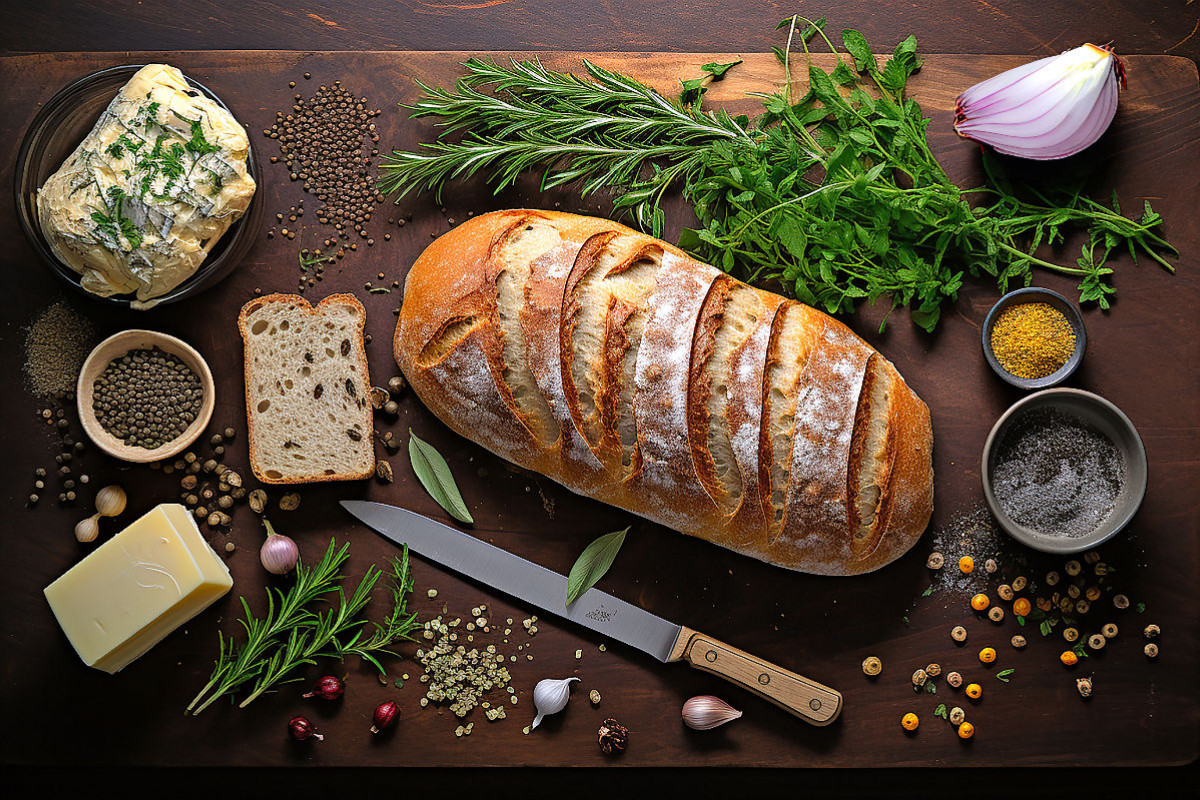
x=1142 y=356
x=971 y=26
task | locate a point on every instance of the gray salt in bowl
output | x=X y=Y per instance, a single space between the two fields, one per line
x=1106 y=419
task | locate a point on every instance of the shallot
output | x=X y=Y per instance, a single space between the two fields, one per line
x=278 y=554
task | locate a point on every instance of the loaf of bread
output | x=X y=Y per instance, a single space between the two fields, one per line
x=308 y=405
x=619 y=366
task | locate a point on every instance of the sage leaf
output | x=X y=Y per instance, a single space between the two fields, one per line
x=592 y=563
x=434 y=474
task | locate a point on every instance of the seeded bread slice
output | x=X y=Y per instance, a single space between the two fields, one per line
x=308 y=406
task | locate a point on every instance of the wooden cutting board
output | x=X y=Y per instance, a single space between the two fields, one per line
x=1142 y=355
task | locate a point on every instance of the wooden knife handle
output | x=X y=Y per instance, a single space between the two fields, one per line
x=812 y=702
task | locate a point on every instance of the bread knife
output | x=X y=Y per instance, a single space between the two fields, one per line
x=597 y=610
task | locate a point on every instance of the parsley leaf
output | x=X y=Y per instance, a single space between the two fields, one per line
x=718 y=70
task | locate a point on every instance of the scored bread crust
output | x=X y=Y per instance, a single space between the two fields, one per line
x=636 y=375
x=359 y=353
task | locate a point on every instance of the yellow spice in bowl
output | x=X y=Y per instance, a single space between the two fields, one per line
x=1032 y=340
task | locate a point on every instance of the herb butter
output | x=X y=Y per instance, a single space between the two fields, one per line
x=145 y=196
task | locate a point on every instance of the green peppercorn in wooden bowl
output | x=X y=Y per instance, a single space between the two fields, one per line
x=1034 y=338
x=144 y=396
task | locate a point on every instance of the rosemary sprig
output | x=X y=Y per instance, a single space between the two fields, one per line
x=296 y=636
x=835 y=195
x=287 y=613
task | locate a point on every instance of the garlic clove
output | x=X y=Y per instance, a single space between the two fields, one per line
x=550 y=697
x=86 y=530
x=707 y=712
x=110 y=501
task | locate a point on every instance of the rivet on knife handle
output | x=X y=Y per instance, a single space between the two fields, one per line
x=806 y=699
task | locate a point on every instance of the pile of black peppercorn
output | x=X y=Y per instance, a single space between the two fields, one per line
x=147 y=398
x=322 y=143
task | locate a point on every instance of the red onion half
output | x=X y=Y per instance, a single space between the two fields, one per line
x=1048 y=109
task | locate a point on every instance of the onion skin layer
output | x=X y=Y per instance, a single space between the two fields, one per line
x=1048 y=109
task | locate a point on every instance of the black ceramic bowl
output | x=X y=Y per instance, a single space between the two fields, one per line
x=58 y=129
x=1033 y=295
x=1109 y=421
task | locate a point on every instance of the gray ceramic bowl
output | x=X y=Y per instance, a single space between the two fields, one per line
x=1105 y=418
x=1031 y=295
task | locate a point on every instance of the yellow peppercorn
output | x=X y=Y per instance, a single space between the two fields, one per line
x=1032 y=340
x=966 y=730
x=966 y=565
x=1068 y=658
x=974 y=691
x=987 y=655
x=980 y=602
x=910 y=722
x=1021 y=607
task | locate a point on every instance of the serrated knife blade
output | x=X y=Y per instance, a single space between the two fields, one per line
x=602 y=612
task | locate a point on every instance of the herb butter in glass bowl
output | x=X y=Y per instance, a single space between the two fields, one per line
x=137 y=186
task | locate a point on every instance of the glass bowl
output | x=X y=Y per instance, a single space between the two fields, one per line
x=57 y=130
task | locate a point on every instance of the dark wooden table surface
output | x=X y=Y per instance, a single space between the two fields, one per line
x=1142 y=355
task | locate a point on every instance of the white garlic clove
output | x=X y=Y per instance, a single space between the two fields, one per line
x=110 y=501
x=707 y=712
x=88 y=529
x=550 y=697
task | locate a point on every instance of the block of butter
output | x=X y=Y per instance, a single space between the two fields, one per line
x=137 y=588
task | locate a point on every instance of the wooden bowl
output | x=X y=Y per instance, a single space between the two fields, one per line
x=113 y=348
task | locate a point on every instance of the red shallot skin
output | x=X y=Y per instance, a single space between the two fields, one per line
x=302 y=730
x=1048 y=109
x=327 y=688
x=386 y=714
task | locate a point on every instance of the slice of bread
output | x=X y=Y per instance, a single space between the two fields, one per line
x=308 y=405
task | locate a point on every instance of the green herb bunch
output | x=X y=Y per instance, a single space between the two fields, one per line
x=835 y=195
x=295 y=632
